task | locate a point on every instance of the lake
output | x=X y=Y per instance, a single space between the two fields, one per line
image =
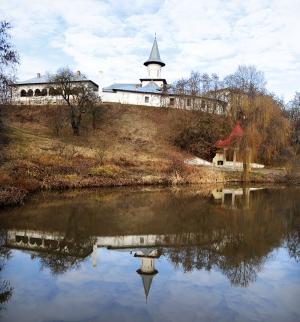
x=152 y=254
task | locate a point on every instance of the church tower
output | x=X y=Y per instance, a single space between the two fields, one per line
x=154 y=65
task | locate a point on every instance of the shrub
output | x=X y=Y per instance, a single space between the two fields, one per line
x=10 y=196
x=199 y=133
x=104 y=171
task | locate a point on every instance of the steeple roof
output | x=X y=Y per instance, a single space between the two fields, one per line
x=147 y=281
x=154 y=55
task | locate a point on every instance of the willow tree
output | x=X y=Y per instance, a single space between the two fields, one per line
x=267 y=129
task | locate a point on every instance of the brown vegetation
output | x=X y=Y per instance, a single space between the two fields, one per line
x=10 y=196
x=133 y=146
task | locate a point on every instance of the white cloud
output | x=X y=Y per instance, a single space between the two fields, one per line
x=115 y=37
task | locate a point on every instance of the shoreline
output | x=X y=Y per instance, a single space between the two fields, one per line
x=12 y=196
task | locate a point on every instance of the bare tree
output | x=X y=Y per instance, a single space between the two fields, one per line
x=8 y=60
x=247 y=79
x=77 y=94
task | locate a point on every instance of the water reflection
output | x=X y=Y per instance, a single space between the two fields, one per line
x=147 y=269
x=5 y=287
x=232 y=230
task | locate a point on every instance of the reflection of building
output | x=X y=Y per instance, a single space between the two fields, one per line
x=147 y=269
x=233 y=194
x=46 y=241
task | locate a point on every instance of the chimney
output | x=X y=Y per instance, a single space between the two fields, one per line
x=78 y=73
x=38 y=75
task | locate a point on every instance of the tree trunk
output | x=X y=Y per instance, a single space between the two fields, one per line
x=75 y=121
x=246 y=165
x=75 y=130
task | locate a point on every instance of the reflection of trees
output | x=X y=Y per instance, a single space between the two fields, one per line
x=241 y=272
x=293 y=233
x=293 y=244
x=5 y=288
x=241 y=269
x=205 y=235
x=70 y=251
x=5 y=292
x=238 y=242
x=58 y=263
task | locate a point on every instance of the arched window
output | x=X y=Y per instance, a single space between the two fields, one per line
x=37 y=92
x=30 y=92
x=44 y=92
x=23 y=93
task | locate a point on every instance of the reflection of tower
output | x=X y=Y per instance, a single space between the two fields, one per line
x=147 y=270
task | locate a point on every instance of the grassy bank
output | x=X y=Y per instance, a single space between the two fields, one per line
x=130 y=146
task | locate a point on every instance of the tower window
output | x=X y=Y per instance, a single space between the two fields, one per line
x=146 y=99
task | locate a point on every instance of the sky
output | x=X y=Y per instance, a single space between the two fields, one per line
x=110 y=40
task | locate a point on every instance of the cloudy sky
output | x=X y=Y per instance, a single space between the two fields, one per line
x=109 y=40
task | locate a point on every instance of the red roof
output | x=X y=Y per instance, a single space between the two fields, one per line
x=236 y=135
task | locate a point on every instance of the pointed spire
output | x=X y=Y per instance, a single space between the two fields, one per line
x=154 y=55
x=147 y=281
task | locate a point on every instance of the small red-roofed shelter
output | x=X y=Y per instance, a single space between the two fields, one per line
x=233 y=141
x=235 y=136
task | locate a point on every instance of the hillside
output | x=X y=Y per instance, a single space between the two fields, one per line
x=130 y=145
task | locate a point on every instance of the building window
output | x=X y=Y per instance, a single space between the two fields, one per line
x=146 y=99
x=23 y=93
x=172 y=101
x=188 y=102
x=30 y=92
x=44 y=92
x=37 y=92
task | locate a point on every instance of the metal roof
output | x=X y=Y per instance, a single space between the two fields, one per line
x=44 y=79
x=152 y=88
x=154 y=55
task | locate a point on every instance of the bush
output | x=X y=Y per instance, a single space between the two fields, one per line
x=105 y=171
x=199 y=134
x=10 y=196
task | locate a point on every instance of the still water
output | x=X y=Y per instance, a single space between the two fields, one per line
x=190 y=254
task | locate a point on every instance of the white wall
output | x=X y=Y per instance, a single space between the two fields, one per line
x=131 y=98
x=154 y=70
x=36 y=100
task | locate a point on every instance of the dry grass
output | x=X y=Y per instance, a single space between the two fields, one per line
x=131 y=145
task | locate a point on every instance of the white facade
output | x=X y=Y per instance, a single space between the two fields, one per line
x=154 y=70
x=39 y=91
x=147 y=92
x=123 y=97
